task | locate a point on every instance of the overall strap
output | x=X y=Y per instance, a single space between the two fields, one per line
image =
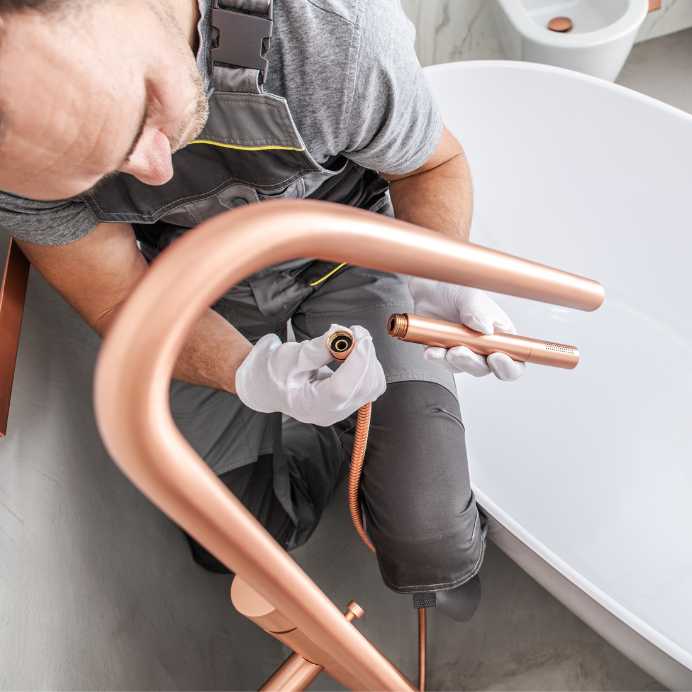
x=241 y=36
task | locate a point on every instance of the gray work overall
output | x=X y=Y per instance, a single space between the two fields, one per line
x=417 y=501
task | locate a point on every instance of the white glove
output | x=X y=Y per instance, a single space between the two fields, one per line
x=293 y=378
x=474 y=309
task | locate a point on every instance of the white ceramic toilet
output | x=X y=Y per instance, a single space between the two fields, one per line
x=599 y=35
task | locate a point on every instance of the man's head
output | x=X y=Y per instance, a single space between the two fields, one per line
x=91 y=87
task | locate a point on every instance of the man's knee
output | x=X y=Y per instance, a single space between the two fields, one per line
x=418 y=561
x=419 y=509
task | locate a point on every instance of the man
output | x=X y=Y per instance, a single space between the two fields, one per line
x=125 y=124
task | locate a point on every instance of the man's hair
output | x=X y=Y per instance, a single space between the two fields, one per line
x=15 y=5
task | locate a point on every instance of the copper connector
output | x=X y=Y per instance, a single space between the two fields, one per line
x=398 y=326
x=340 y=344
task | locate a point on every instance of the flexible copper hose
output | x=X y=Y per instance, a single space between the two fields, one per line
x=360 y=443
x=340 y=344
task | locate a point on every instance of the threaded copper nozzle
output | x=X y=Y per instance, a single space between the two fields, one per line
x=340 y=344
x=397 y=325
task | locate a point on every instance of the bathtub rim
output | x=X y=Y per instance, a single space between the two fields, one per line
x=525 y=66
x=629 y=22
x=661 y=657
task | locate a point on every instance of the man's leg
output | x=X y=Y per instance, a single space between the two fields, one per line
x=316 y=462
x=283 y=471
x=252 y=485
x=419 y=508
x=418 y=505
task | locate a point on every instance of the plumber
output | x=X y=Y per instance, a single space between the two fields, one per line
x=126 y=123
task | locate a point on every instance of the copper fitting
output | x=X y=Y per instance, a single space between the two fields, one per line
x=340 y=344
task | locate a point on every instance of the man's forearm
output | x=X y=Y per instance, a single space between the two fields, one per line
x=440 y=198
x=213 y=351
x=97 y=274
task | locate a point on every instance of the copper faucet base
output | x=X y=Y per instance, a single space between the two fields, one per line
x=309 y=659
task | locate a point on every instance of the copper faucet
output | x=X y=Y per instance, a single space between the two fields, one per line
x=136 y=361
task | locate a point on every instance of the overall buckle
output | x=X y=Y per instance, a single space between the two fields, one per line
x=241 y=40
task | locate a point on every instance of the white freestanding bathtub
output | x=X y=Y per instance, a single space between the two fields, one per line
x=587 y=474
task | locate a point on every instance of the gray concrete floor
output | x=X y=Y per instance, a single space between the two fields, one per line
x=521 y=638
x=661 y=68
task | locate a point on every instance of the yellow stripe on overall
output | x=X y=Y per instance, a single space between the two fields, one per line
x=269 y=147
x=331 y=272
x=240 y=147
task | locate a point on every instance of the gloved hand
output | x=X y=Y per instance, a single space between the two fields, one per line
x=293 y=378
x=474 y=309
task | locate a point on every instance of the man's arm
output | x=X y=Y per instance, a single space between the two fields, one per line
x=439 y=194
x=97 y=273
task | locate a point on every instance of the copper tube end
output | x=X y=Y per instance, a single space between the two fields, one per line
x=340 y=344
x=397 y=325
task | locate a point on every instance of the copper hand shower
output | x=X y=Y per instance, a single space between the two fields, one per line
x=135 y=365
x=433 y=332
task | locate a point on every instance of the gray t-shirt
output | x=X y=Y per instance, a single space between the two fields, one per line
x=350 y=74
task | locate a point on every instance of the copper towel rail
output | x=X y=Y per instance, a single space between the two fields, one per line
x=12 y=297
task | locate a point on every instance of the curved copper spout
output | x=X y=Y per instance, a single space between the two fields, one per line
x=136 y=362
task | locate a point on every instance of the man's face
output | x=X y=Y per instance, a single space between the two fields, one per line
x=110 y=87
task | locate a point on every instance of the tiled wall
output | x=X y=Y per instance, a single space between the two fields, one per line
x=450 y=30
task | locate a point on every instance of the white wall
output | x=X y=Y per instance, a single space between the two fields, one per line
x=450 y=30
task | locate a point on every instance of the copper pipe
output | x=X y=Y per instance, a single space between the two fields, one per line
x=433 y=332
x=422 y=642
x=136 y=361
x=12 y=298
x=294 y=674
